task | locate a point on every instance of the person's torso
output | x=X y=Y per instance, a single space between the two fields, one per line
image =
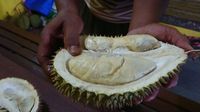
x=115 y=11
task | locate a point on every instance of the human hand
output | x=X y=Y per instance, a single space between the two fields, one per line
x=63 y=30
x=165 y=34
x=171 y=82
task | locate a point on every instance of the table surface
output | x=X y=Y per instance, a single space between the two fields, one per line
x=18 y=59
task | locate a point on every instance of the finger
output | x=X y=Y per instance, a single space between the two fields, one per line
x=136 y=31
x=47 y=40
x=148 y=98
x=172 y=83
x=72 y=39
x=43 y=58
x=151 y=29
x=184 y=44
x=152 y=95
x=137 y=101
x=179 y=40
x=72 y=44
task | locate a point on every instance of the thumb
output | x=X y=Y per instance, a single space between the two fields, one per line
x=183 y=43
x=136 y=31
x=178 y=39
x=72 y=41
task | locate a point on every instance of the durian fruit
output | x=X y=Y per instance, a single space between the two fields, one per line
x=114 y=72
x=18 y=95
x=24 y=22
x=35 y=21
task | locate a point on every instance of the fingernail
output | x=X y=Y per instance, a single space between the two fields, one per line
x=74 y=50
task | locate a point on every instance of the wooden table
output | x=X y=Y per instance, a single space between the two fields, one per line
x=18 y=59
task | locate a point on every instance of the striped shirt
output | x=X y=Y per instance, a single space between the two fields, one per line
x=114 y=11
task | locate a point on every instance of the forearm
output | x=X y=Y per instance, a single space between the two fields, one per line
x=145 y=12
x=68 y=5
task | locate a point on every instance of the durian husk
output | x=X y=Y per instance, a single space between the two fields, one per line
x=23 y=22
x=35 y=21
x=115 y=100
x=15 y=101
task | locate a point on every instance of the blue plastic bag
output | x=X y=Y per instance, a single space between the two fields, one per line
x=41 y=6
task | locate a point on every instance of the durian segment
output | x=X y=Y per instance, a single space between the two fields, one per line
x=18 y=95
x=135 y=43
x=109 y=69
x=167 y=58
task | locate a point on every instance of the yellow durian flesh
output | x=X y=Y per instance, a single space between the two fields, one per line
x=135 y=43
x=18 y=95
x=109 y=69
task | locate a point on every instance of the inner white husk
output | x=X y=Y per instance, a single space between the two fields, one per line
x=17 y=95
x=167 y=58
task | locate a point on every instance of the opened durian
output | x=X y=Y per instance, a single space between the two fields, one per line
x=17 y=95
x=112 y=72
